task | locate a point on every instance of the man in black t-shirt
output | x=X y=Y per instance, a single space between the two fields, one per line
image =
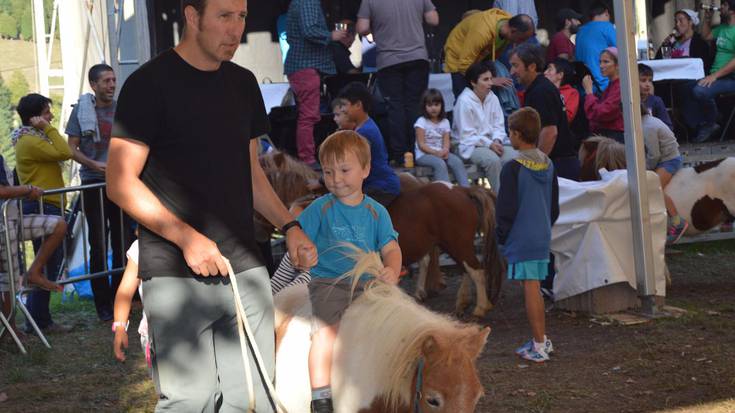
x=183 y=163
x=555 y=139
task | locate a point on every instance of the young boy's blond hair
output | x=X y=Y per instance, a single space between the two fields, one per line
x=527 y=122
x=334 y=148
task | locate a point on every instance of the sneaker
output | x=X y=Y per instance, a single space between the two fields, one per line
x=535 y=355
x=674 y=233
x=322 y=406
x=528 y=346
x=706 y=132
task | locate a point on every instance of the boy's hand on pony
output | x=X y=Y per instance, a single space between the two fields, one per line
x=120 y=343
x=389 y=275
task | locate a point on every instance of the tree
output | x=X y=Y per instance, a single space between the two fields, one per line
x=6 y=122
x=8 y=26
x=18 y=86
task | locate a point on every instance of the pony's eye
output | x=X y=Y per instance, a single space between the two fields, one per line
x=434 y=401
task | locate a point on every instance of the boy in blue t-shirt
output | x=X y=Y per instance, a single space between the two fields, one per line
x=527 y=207
x=382 y=184
x=343 y=215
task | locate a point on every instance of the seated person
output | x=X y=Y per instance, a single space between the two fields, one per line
x=479 y=125
x=721 y=79
x=605 y=113
x=382 y=184
x=685 y=41
x=654 y=103
x=663 y=157
x=560 y=72
x=32 y=226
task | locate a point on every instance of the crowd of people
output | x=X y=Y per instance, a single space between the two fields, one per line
x=520 y=114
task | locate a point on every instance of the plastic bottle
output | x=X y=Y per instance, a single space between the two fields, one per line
x=408 y=160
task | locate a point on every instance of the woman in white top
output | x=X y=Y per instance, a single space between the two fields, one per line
x=479 y=125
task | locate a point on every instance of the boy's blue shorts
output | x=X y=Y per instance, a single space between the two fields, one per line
x=533 y=270
x=672 y=166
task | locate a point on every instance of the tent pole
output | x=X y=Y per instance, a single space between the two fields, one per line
x=635 y=155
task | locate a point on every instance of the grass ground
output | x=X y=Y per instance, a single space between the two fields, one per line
x=20 y=55
x=667 y=365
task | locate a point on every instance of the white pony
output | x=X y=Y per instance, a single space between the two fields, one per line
x=391 y=354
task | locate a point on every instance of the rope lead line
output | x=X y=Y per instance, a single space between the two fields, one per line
x=245 y=338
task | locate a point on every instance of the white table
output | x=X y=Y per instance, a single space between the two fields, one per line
x=676 y=69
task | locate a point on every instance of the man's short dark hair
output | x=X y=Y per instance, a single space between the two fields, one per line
x=521 y=22
x=530 y=54
x=198 y=5
x=476 y=69
x=644 y=70
x=96 y=71
x=598 y=8
x=31 y=105
x=527 y=122
x=355 y=92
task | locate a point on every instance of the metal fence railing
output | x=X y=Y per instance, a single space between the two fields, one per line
x=75 y=247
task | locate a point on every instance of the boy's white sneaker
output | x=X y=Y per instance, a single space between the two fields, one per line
x=528 y=346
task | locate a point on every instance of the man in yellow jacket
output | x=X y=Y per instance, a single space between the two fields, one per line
x=482 y=35
x=39 y=152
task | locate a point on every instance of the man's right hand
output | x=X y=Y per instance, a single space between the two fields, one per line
x=502 y=82
x=98 y=166
x=203 y=256
x=339 y=35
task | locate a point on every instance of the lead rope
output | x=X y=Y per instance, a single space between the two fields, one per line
x=246 y=337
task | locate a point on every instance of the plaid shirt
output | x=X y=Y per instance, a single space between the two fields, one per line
x=308 y=37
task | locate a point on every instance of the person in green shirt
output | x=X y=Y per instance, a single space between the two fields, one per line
x=721 y=78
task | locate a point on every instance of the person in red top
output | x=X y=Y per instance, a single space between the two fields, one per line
x=560 y=44
x=605 y=113
x=559 y=72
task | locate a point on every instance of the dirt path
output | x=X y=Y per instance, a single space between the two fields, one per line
x=676 y=365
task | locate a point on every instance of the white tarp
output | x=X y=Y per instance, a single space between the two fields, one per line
x=593 y=240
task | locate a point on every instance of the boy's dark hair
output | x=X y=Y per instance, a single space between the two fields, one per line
x=530 y=54
x=432 y=96
x=31 y=105
x=644 y=70
x=521 y=22
x=599 y=8
x=96 y=71
x=565 y=67
x=355 y=92
x=527 y=122
x=476 y=69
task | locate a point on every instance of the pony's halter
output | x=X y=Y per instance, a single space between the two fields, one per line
x=419 y=385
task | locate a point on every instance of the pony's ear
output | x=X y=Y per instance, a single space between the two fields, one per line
x=432 y=344
x=476 y=341
x=279 y=159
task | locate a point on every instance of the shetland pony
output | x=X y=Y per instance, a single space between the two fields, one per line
x=391 y=354
x=425 y=216
x=704 y=195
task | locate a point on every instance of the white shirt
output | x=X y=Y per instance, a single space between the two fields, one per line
x=477 y=123
x=433 y=134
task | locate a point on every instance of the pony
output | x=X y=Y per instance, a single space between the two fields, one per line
x=426 y=216
x=391 y=354
x=704 y=194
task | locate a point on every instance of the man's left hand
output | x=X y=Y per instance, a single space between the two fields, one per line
x=707 y=81
x=497 y=147
x=302 y=251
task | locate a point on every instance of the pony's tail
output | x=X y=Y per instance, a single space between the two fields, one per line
x=492 y=261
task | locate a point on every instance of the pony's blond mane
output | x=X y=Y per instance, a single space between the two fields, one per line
x=385 y=307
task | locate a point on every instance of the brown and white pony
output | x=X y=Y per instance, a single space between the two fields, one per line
x=391 y=354
x=704 y=195
x=426 y=216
